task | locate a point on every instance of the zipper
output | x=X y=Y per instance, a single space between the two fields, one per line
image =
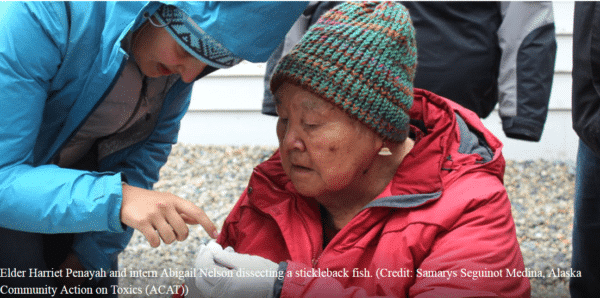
x=317 y=258
x=315 y=251
x=315 y=261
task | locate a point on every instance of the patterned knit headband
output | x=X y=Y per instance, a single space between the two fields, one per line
x=193 y=39
x=360 y=56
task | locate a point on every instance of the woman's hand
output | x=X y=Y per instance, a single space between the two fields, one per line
x=161 y=215
x=232 y=274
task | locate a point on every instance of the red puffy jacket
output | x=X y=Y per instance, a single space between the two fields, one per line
x=442 y=228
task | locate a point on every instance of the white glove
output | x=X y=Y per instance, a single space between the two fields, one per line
x=240 y=275
x=204 y=260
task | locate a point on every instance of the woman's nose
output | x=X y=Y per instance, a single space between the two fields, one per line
x=292 y=140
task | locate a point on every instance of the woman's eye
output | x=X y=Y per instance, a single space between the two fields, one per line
x=310 y=125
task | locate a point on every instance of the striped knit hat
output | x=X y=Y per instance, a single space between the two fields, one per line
x=193 y=39
x=360 y=56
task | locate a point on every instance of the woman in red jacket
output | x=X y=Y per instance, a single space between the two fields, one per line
x=377 y=189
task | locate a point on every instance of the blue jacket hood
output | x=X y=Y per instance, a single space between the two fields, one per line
x=250 y=30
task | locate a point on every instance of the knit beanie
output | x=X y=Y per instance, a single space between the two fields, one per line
x=193 y=39
x=361 y=57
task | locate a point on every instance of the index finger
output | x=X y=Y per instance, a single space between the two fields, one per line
x=194 y=212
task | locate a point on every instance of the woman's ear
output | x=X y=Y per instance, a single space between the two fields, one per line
x=380 y=144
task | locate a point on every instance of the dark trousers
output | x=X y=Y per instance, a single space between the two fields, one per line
x=25 y=251
x=586 y=225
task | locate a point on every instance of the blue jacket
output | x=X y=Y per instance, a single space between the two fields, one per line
x=58 y=60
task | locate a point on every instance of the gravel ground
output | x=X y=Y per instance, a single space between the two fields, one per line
x=213 y=177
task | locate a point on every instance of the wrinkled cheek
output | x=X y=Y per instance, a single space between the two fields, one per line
x=339 y=181
x=284 y=162
x=304 y=184
x=280 y=132
x=336 y=178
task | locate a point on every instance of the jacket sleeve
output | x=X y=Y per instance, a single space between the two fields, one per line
x=528 y=43
x=42 y=198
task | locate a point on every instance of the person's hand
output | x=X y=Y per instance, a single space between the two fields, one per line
x=72 y=262
x=205 y=261
x=235 y=275
x=160 y=215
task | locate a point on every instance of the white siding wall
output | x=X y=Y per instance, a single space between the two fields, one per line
x=225 y=108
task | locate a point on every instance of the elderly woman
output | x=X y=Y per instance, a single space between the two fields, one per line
x=377 y=189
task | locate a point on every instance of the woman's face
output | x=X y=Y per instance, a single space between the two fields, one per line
x=323 y=150
x=158 y=54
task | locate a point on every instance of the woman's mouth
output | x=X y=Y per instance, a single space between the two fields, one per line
x=300 y=168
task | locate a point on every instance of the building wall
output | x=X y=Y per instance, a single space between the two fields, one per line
x=225 y=108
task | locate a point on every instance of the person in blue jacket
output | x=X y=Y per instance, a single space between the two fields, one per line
x=92 y=94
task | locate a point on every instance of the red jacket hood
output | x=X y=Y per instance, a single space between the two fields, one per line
x=449 y=141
